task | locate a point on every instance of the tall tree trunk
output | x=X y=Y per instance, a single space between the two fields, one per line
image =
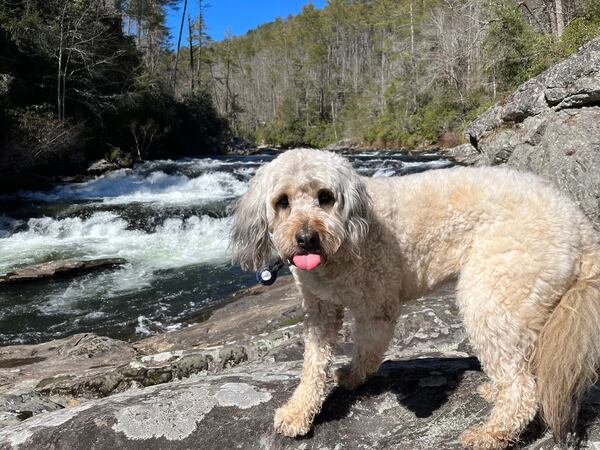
x=227 y=91
x=59 y=74
x=412 y=28
x=494 y=83
x=382 y=75
x=551 y=17
x=560 y=20
x=138 y=25
x=412 y=54
x=191 y=44
x=179 y=44
x=200 y=43
x=60 y=105
x=64 y=93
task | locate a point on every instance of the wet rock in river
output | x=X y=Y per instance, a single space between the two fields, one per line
x=60 y=268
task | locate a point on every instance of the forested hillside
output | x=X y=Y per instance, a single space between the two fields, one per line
x=388 y=72
x=83 y=79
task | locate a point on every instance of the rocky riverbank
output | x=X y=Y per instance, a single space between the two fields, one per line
x=241 y=362
x=216 y=384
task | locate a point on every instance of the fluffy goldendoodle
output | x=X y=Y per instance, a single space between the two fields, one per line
x=526 y=259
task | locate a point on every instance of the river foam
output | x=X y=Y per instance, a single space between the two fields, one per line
x=174 y=243
x=125 y=186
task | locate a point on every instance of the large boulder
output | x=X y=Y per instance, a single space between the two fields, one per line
x=550 y=126
x=423 y=403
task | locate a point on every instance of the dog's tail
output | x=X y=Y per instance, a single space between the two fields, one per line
x=566 y=356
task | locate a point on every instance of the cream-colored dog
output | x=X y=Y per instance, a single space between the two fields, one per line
x=526 y=259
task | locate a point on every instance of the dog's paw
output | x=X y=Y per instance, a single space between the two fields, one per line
x=346 y=378
x=290 y=423
x=479 y=438
x=487 y=391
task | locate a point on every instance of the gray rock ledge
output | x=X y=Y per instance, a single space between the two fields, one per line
x=60 y=268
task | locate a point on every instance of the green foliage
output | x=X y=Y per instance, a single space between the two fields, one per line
x=385 y=72
x=580 y=30
x=433 y=118
x=515 y=52
x=292 y=127
x=72 y=83
x=416 y=106
x=437 y=116
x=477 y=103
x=117 y=156
x=395 y=73
x=544 y=51
x=285 y=129
x=293 y=320
x=159 y=125
x=508 y=47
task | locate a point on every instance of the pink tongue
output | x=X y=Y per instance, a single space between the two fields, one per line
x=307 y=262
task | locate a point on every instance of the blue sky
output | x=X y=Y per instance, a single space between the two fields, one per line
x=237 y=15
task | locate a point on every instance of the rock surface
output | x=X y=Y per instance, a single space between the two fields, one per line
x=216 y=384
x=410 y=404
x=342 y=145
x=102 y=166
x=243 y=330
x=255 y=350
x=550 y=126
x=60 y=268
x=5 y=82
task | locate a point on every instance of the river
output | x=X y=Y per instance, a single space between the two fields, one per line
x=168 y=219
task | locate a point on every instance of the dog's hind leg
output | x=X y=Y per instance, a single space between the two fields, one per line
x=503 y=345
x=371 y=337
x=322 y=323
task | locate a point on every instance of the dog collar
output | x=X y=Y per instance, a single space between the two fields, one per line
x=267 y=275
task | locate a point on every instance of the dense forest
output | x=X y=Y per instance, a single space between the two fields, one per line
x=388 y=72
x=86 y=79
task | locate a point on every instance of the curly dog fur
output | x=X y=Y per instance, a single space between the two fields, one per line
x=526 y=259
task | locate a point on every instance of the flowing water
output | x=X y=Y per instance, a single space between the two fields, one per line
x=168 y=219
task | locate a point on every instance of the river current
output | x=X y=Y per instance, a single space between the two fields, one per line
x=168 y=219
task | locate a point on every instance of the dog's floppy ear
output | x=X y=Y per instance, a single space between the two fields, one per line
x=356 y=206
x=250 y=243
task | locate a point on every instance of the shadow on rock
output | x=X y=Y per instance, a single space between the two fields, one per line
x=420 y=385
x=586 y=428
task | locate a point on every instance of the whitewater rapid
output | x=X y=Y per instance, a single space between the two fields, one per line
x=168 y=219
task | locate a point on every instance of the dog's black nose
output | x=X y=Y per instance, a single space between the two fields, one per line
x=308 y=240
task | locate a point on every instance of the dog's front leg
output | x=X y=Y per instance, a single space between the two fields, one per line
x=322 y=323
x=371 y=336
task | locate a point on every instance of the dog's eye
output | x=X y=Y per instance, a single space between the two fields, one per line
x=283 y=202
x=325 y=198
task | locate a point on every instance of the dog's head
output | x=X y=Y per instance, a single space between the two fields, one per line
x=306 y=204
